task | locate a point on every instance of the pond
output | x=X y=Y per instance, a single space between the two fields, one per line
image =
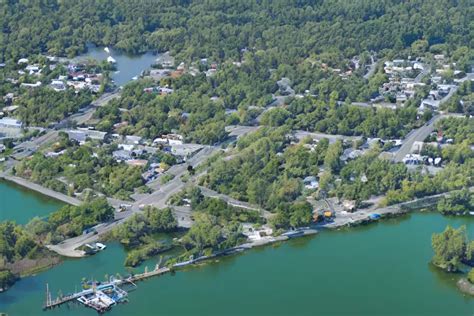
x=128 y=66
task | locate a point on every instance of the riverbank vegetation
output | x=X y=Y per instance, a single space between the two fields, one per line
x=70 y=221
x=458 y=203
x=452 y=249
x=20 y=254
x=137 y=233
x=7 y=279
x=454 y=176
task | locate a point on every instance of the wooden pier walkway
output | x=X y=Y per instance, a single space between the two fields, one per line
x=60 y=300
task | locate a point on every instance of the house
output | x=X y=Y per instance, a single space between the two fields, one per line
x=126 y=147
x=122 y=155
x=349 y=205
x=350 y=154
x=132 y=139
x=10 y=122
x=32 y=69
x=414 y=159
x=429 y=104
x=160 y=140
x=23 y=61
x=81 y=135
x=10 y=109
x=137 y=162
x=311 y=183
x=31 y=85
x=58 y=85
x=255 y=234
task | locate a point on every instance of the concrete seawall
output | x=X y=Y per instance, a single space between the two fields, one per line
x=38 y=188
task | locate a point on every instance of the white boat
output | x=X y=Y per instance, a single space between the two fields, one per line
x=107 y=50
x=100 y=246
x=111 y=60
x=471 y=213
x=135 y=78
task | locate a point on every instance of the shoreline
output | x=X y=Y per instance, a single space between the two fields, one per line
x=41 y=189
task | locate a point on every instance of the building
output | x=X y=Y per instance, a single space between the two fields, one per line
x=10 y=122
x=81 y=135
x=311 y=183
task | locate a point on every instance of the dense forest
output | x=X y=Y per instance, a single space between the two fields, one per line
x=220 y=29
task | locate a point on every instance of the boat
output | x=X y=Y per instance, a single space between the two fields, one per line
x=100 y=246
x=134 y=78
x=94 y=248
x=471 y=213
x=111 y=60
x=107 y=50
x=374 y=216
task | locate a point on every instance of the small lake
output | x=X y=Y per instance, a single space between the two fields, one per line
x=20 y=205
x=379 y=269
x=128 y=66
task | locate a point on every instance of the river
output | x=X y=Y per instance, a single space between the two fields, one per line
x=128 y=66
x=21 y=205
x=379 y=269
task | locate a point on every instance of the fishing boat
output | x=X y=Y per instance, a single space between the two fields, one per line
x=111 y=60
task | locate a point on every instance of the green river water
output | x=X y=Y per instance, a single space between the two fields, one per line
x=379 y=269
x=20 y=205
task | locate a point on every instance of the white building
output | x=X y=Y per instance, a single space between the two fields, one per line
x=10 y=122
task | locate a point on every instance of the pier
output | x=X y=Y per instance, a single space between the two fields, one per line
x=103 y=296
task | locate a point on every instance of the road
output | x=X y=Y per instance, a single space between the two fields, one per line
x=28 y=148
x=158 y=199
x=419 y=135
x=372 y=68
x=239 y=130
x=426 y=70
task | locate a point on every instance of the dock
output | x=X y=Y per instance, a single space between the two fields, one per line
x=103 y=296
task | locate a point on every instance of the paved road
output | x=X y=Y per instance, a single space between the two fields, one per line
x=372 y=68
x=423 y=73
x=239 y=130
x=106 y=97
x=419 y=135
x=158 y=199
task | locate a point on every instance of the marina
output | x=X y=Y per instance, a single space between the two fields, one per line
x=330 y=255
x=103 y=296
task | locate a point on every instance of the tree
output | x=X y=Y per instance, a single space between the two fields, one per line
x=450 y=248
x=301 y=214
x=332 y=159
x=470 y=276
